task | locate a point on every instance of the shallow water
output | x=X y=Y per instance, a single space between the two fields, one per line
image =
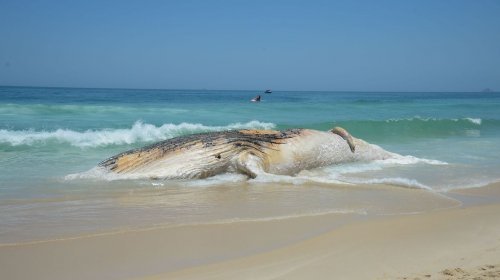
x=50 y=135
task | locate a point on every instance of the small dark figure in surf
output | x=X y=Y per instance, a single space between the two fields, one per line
x=256 y=99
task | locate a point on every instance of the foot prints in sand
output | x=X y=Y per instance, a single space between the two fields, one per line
x=485 y=272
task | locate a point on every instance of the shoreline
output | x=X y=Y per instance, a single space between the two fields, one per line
x=442 y=244
x=420 y=245
x=233 y=203
x=278 y=249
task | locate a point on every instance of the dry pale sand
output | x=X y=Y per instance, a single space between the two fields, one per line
x=459 y=243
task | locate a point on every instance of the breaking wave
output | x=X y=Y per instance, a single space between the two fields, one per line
x=139 y=132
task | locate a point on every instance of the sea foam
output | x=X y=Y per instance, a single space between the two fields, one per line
x=139 y=132
x=476 y=121
x=401 y=182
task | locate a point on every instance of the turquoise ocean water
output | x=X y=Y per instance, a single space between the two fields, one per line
x=50 y=135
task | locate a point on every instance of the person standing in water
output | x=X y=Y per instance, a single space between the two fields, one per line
x=256 y=99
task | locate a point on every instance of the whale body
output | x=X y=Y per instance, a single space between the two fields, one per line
x=250 y=152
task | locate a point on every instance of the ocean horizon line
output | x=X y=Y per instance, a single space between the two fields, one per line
x=249 y=90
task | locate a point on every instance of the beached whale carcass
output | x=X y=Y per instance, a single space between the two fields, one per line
x=249 y=152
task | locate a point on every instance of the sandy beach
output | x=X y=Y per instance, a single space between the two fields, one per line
x=249 y=140
x=461 y=242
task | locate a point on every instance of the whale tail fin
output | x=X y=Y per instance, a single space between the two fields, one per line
x=346 y=136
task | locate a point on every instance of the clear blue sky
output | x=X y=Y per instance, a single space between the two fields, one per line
x=284 y=45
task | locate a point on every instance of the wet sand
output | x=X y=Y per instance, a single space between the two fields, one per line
x=432 y=245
